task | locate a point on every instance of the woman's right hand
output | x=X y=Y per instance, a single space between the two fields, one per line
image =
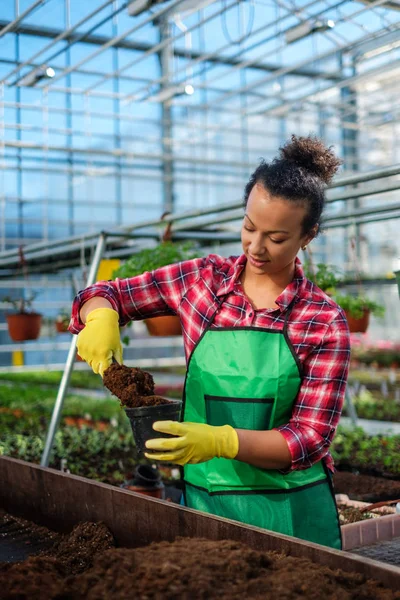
x=99 y=342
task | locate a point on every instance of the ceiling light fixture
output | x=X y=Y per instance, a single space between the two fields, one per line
x=32 y=78
x=307 y=28
x=137 y=7
x=170 y=92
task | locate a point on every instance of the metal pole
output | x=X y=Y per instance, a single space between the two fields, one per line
x=165 y=57
x=11 y=26
x=60 y=37
x=115 y=40
x=62 y=390
x=351 y=409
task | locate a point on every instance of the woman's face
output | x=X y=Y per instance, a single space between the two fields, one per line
x=272 y=232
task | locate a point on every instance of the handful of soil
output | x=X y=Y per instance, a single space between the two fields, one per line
x=133 y=387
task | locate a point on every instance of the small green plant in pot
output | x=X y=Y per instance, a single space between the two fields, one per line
x=62 y=321
x=149 y=259
x=326 y=277
x=24 y=323
x=358 y=310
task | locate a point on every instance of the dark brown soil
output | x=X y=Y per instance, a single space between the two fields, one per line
x=43 y=575
x=366 y=487
x=351 y=514
x=133 y=387
x=77 y=550
x=189 y=568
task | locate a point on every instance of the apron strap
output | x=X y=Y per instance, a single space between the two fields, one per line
x=287 y=316
x=211 y=321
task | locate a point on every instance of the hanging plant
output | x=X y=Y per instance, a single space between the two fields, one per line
x=356 y=306
x=62 y=322
x=358 y=310
x=24 y=323
x=326 y=277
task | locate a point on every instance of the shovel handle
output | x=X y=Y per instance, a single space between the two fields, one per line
x=378 y=505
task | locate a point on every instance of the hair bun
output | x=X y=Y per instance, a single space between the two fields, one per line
x=312 y=155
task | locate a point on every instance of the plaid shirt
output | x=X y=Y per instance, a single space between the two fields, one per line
x=317 y=329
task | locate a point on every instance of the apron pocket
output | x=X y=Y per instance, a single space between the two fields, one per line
x=241 y=413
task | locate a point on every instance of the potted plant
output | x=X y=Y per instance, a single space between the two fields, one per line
x=358 y=310
x=23 y=324
x=149 y=259
x=62 y=321
x=326 y=277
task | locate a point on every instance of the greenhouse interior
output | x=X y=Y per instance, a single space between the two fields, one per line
x=138 y=138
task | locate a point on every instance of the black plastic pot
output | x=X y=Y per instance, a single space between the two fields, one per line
x=142 y=420
x=147 y=481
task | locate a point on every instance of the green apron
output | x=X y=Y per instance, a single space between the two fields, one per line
x=249 y=378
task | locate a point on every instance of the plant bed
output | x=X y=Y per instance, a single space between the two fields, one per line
x=366 y=488
x=86 y=565
x=378 y=455
x=108 y=456
x=365 y=524
x=353 y=511
x=373 y=405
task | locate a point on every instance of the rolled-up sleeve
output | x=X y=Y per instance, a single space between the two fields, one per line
x=319 y=403
x=151 y=294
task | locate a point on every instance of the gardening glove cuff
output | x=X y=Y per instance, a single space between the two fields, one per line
x=195 y=442
x=99 y=342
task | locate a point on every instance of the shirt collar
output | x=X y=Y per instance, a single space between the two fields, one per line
x=295 y=287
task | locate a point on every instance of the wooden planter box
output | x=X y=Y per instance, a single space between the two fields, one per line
x=60 y=501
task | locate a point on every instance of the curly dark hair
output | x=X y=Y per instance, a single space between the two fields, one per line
x=300 y=174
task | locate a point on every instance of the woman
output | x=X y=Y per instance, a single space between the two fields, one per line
x=267 y=355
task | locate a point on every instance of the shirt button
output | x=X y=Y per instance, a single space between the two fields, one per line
x=250 y=314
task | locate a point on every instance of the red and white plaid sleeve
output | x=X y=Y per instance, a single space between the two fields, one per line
x=318 y=406
x=151 y=294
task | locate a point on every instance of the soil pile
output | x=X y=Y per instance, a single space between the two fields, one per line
x=133 y=387
x=77 y=550
x=186 y=569
x=43 y=576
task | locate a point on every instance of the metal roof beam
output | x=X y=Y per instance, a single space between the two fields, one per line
x=100 y=40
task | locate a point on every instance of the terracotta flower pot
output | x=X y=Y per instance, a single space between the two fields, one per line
x=61 y=326
x=24 y=326
x=358 y=325
x=159 y=326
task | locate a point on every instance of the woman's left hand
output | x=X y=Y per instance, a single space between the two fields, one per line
x=196 y=442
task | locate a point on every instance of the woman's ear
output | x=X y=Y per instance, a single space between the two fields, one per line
x=313 y=233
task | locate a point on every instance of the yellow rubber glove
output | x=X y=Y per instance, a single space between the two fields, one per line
x=197 y=442
x=100 y=340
